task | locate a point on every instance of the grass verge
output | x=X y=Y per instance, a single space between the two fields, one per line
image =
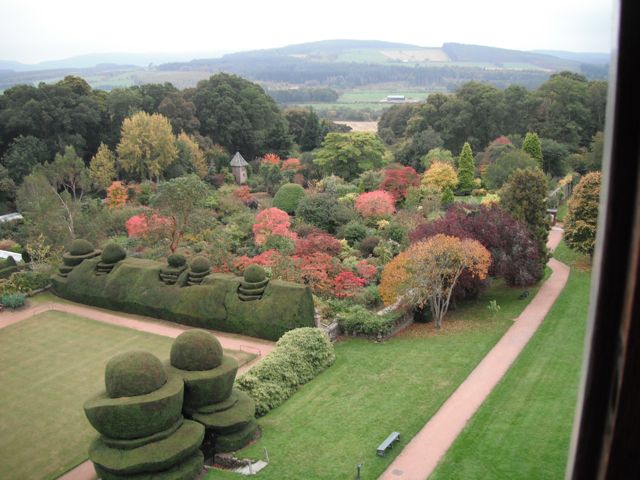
x=523 y=429
x=338 y=419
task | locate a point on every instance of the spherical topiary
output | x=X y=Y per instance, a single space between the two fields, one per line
x=133 y=373
x=10 y=262
x=196 y=350
x=288 y=197
x=113 y=253
x=254 y=274
x=176 y=260
x=80 y=246
x=200 y=264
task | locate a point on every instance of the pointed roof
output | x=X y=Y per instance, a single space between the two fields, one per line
x=238 y=161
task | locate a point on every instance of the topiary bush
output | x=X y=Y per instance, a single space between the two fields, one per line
x=299 y=356
x=113 y=253
x=288 y=197
x=81 y=246
x=200 y=264
x=133 y=373
x=196 y=350
x=254 y=274
x=176 y=260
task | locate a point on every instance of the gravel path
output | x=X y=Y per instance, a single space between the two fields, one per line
x=421 y=455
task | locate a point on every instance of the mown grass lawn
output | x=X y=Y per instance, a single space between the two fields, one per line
x=339 y=418
x=522 y=431
x=51 y=363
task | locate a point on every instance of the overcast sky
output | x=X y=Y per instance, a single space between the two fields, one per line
x=37 y=30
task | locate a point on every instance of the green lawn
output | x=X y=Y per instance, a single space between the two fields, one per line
x=522 y=431
x=51 y=364
x=562 y=212
x=338 y=419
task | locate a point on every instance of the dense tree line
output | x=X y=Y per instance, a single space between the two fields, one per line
x=286 y=69
x=566 y=112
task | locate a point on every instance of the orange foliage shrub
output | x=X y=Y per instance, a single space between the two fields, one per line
x=375 y=204
x=271 y=159
x=291 y=164
x=116 y=195
x=272 y=221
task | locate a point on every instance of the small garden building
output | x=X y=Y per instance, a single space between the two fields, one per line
x=239 y=168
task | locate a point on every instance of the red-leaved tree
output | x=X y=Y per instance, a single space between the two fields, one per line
x=398 y=180
x=318 y=242
x=143 y=225
x=375 y=204
x=272 y=222
x=346 y=284
x=291 y=164
x=271 y=159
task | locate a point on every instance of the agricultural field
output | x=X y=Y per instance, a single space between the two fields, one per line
x=52 y=363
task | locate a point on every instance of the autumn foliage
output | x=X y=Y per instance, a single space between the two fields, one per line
x=142 y=225
x=514 y=252
x=398 y=180
x=291 y=164
x=116 y=195
x=318 y=242
x=441 y=176
x=428 y=271
x=270 y=159
x=375 y=204
x=270 y=222
x=346 y=284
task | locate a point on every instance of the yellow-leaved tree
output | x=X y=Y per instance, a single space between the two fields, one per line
x=102 y=168
x=441 y=176
x=147 y=145
x=427 y=272
x=195 y=157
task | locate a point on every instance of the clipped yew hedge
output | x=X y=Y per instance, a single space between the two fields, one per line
x=288 y=197
x=134 y=286
x=299 y=356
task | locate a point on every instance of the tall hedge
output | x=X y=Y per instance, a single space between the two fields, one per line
x=134 y=286
x=300 y=355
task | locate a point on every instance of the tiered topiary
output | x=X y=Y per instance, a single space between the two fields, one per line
x=209 y=397
x=112 y=254
x=177 y=265
x=253 y=283
x=198 y=269
x=80 y=250
x=139 y=416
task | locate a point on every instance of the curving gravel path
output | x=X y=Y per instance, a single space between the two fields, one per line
x=421 y=455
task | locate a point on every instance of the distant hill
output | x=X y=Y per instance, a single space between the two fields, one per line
x=98 y=59
x=583 y=57
x=338 y=64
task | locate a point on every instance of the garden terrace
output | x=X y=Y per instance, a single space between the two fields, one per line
x=134 y=286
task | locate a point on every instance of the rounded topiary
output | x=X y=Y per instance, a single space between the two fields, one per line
x=80 y=246
x=200 y=264
x=176 y=260
x=288 y=197
x=10 y=262
x=254 y=274
x=113 y=253
x=196 y=350
x=133 y=373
